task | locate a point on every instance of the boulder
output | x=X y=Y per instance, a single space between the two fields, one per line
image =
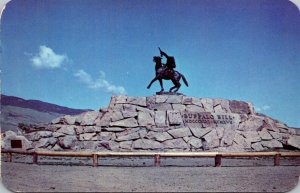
x=197 y=102
x=294 y=141
x=113 y=129
x=257 y=146
x=129 y=122
x=160 y=118
x=178 y=143
x=159 y=136
x=162 y=107
x=145 y=119
x=161 y=98
x=86 y=136
x=128 y=114
x=120 y=99
x=194 y=108
x=212 y=139
x=228 y=137
x=187 y=100
x=104 y=120
x=252 y=136
x=69 y=120
x=178 y=107
x=180 y=132
x=174 y=99
x=57 y=134
x=271 y=144
x=67 y=129
x=128 y=136
x=67 y=142
x=241 y=141
x=140 y=101
x=208 y=104
x=45 y=142
x=88 y=118
x=239 y=107
x=195 y=142
x=116 y=116
x=106 y=136
x=199 y=132
x=125 y=144
x=146 y=144
x=265 y=135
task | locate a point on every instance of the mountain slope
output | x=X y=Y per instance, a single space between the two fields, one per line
x=15 y=110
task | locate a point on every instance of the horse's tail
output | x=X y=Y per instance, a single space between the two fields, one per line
x=184 y=80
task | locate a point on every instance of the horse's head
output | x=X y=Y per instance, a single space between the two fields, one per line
x=157 y=59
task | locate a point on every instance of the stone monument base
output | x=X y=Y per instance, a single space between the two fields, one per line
x=162 y=123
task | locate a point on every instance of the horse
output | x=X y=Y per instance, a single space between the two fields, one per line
x=164 y=73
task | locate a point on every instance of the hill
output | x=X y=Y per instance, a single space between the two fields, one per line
x=15 y=110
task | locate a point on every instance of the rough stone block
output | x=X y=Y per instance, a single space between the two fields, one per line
x=239 y=107
x=252 y=136
x=195 y=142
x=129 y=122
x=265 y=135
x=241 y=141
x=86 y=136
x=257 y=146
x=145 y=118
x=128 y=114
x=116 y=116
x=159 y=136
x=120 y=99
x=146 y=144
x=199 y=132
x=140 y=101
x=87 y=118
x=208 y=104
x=113 y=129
x=104 y=120
x=67 y=142
x=178 y=107
x=294 y=141
x=228 y=137
x=160 y=118
x=181 y=132
x=212 y=139
x=174 y=99
x=271 y=144
x=194 y=108
x=178 y=143
x=161 y=98
x=126 y=144
x=67 y=129
x=187 y=100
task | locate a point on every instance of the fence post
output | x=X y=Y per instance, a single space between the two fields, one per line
x=9 y=156
x=95 y=160
x=157 y=160
x=218 y=160
x=35 y=158
x=277 y=160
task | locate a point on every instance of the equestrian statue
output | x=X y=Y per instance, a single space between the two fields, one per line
x=167 y=72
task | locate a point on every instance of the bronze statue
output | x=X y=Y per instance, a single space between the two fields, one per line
x=167 y=72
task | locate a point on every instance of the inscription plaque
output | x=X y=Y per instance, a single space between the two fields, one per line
x=207 y=118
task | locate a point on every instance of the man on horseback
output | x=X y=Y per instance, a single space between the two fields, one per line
x=167 y=72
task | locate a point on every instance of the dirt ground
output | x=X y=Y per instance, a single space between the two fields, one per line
x=139 y=175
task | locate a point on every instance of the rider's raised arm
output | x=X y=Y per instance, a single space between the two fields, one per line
x=163 y=53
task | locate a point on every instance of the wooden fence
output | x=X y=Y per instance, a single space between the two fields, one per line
x=156 y=155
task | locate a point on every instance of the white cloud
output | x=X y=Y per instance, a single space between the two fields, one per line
x=47 y=58
x=100 y=83
x=262 y=108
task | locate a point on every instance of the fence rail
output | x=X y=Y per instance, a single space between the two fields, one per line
x=156 y=155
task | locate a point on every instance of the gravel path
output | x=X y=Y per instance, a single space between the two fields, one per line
x=55 y=178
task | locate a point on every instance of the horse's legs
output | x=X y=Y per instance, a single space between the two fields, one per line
x=154 y=79
x=174 y=82
x=161 y=85
x=177 y=86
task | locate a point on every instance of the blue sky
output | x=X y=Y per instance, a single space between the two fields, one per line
x=79 y=53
